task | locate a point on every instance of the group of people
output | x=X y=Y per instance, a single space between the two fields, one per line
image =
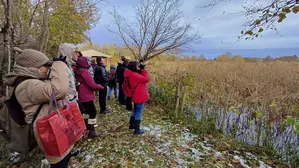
x=71 y=77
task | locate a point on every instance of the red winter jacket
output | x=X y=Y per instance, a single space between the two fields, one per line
x=87 y=84
x=140 y=94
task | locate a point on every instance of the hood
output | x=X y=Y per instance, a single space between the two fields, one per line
x=67 y=50
x=82 y=62
x=10 y=78
x=112 y=66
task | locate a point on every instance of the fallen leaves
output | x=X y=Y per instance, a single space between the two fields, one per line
x=163 y=145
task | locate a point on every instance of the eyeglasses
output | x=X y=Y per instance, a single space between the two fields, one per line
x=48 y=64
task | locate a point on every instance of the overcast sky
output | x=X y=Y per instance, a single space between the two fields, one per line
x=219 y=30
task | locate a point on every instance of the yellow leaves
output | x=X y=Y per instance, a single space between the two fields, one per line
x=261 y=30
x=273 y=105
x=281 y=16
x=216 y=90
x=258 y=21
x=181 y=122
x=250 y=32
x=232 y=108
x=286 y=10
x=295 y=9
x=258 y=114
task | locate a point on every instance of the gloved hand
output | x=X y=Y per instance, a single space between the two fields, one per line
x=60 y=58
x=141 y=66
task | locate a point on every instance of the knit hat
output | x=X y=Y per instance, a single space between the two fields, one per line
x=30 y=58
x=112 y=66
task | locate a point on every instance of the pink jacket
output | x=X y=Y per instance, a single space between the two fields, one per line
x=87 y=84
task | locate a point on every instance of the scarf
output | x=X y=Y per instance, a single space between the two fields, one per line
x=18 y=71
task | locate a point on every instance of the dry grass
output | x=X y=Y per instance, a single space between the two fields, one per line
x=269 y=87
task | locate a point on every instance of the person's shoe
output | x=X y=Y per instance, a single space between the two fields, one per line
x=137 y=127
x=107 y=111
x=131 y=123
x=75 y=152
x=108 y=98
x=92 y=132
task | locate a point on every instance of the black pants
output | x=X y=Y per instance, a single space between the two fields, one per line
x=121 y=95
x=63 y=163
x=90 y=109
x=129 y=105
x=103 y=98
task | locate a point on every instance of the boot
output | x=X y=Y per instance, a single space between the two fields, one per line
x=132 y=119
x=92 y=132
x=75 y=152
x=86 y=124
x=137 y=127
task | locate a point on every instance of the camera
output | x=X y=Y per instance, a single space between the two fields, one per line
x=141 y=66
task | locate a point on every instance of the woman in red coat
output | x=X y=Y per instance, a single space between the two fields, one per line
x=86 y=94
x=137 y=79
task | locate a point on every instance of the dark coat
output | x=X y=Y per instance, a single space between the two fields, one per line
x=101 y=75
x=120 y=73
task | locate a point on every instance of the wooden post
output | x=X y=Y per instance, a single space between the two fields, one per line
x=224 y=113
x=177 y=99
x=184 y=98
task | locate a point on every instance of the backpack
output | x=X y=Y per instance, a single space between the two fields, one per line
x=13 y=128
x=112 y=75
x=127 y=89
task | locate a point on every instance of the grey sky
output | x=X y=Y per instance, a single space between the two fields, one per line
x=219 y=30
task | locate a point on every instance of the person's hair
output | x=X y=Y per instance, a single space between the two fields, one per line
x=132 y=66
x=99 y=59
x=123 y=58
x=80 y=54
x=126 y=63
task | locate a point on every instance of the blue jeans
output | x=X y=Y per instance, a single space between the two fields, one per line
x=115 y=91
x=137 y=111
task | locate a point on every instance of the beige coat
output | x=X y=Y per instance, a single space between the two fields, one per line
x=33 y=92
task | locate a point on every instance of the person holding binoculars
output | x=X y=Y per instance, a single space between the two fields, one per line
x=136 y=79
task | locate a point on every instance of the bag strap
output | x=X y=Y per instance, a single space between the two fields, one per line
x=37 y=112
x=130 y=86
x=13 y=96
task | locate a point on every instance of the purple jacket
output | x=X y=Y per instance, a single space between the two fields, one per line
x=87 y=84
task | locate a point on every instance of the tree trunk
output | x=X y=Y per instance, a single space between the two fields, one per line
x=5 y=60
x=44 y=28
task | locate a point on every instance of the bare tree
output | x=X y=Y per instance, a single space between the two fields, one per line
x=262 y=14
x=157 y=28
